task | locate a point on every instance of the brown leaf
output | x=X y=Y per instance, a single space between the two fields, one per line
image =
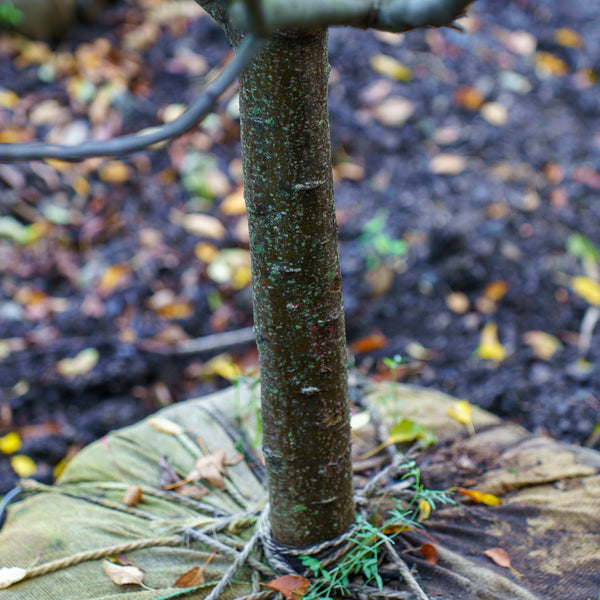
x=293 y=587
x=501 y=558
x=132 y=496
x=430 y=554
x=123 y=574
x=191 y=578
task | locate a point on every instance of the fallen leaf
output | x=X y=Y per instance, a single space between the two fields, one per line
x=462 y=411
x=489 y=347
x=424 y=510
x=293 y=587
x=113 y=277
x=369 y=343
x=195 y=576
x=468 y=97
x=10 y=443
x=494 y=113
x=519 y=42
x=390 y=67
x=124 y=574
x=568 y=38
x=404 y=431
x=10 y=575
x=80 y=364
x=496 y=290
x=209 y=467
x=458 y=302
x=550 y=65
x=176 y=310
x=447 y=164
x=394 y=111
x=132 y=496
x=192 y=578
x=165 y=426
x=544 y=345
x=480 y=497
x=234 y=203
x=23 y=466
x=430 y=554
x=203 y=225
x=587 y=288
x=501 y=558
x=114 y=172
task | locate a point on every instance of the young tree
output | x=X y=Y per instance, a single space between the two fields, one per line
x=299 y=321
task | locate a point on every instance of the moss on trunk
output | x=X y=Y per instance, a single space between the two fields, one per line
x=299 y=320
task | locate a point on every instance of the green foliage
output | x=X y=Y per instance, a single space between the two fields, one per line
x=363 y=557
x=583 y=248
x=10 y=15
x=379 y=245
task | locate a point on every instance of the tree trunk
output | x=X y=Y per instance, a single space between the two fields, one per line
x=298 y=314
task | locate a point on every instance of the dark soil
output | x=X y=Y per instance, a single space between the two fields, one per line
x=505 y=215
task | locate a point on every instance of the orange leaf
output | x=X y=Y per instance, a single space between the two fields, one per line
x=468 y=97
x=369 y=343
x=495 y=290
x=501 y=558
x=293 y=587
x=191 y=578
x=480 y=497
x=430 y=554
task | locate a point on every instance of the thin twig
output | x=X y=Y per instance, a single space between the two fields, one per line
x=410 y=581
x=141 y=140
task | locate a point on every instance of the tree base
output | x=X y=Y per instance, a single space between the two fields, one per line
x=545 y=487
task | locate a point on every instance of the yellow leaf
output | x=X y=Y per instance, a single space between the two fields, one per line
x=115 y=172
x=113 y=277
x=8 y=99
x=587 y=288
x=10 y=443
x=223 y=366
x=462 y=411
x=81 y=186
x=568 y=37
x=489 y=347
x=496 y=290
x=424 y=510
x=206 y=252
x=550 y=64
x=480 y=497
x=390 y=67
x=544 y=345
x=176 y=310
x=22 y=465
x=80 y=364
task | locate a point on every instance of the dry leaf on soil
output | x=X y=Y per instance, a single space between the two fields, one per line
x=462 y=411
x=430 y=554
x=480 y=497
x=293 y=587
x=192 y=578
x=489 y=347
x=501 y=558
x=132 y=496
x=80 y=364
x=124 y=574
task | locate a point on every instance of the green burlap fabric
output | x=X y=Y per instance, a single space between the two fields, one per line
x=548 y=522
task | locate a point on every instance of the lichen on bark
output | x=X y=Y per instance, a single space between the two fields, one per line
x=298 y=314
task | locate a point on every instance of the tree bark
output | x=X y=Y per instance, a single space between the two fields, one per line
x=298 y=314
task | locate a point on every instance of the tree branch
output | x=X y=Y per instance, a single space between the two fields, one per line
x=388 y=15
x=195 y=112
